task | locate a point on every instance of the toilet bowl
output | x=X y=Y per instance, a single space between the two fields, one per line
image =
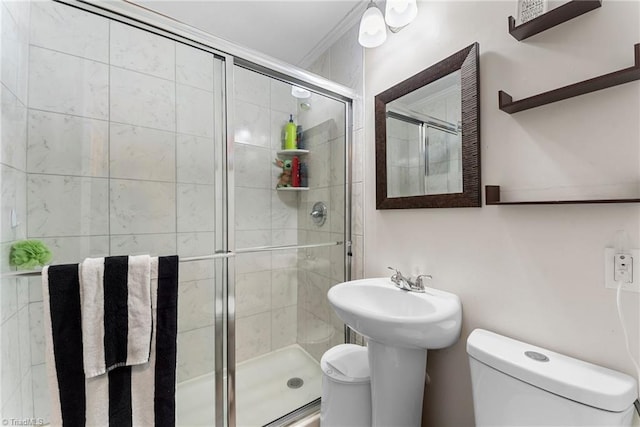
x=517 y=384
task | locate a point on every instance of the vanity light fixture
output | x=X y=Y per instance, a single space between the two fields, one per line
x=400 y=13
x=373 y=31
x=373 y=26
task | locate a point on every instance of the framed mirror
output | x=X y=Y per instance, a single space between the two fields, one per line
x=428 y=137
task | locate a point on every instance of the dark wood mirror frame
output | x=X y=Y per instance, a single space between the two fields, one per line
x=467 y=62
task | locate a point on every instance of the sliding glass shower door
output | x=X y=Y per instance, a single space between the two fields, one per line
x=289 y=235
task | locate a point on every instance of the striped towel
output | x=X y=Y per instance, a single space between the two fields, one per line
x=115 y=296
x=141 y=395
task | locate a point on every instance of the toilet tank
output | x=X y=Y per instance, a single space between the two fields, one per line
x=517 y=384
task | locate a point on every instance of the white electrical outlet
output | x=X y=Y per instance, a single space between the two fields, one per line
x=623 y=267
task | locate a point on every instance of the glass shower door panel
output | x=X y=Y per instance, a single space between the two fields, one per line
x=283 y=322
x=124 y=152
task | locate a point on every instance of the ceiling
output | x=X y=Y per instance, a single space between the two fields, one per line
x=295 y=31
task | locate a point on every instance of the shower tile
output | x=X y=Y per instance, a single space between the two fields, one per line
x=195 y=353
x=139 y=207
x=67 y=145
x=27 y=393
x=357 y=163
x=337 y=161
x=253 y=293
x=336 y=209
x=252 y=210
x=317 y=164
x=69 y=30
x=259 y=261
x=281 y=98
x=253 y=336
x=35 y=289
x=23 y=292
x=194 y=111
x=13 y=196
x=142 y=100
x=197 y=270
x=196 y=244
x=278 y=120
x=141 y=244
x=142 y=153
x=196 y=159
x=14 y=45
x=36 y=333
x=284 y=209
x=196 y=207
x=195 y=304
x=253 y=166
x=24 y=337
x=194 y=67
x=67 y=206
x=12 y=405
x=252 y=124
x=9 y=296
x=142 y=51
x=13 y=130
x=68 y=250
x=284 y=287
x=251 y=87
x=285 y=258
x=67 y=84
x=41 y=403
x=337 y=257
x=284 y=329
x=10 y=352
x=357 y=208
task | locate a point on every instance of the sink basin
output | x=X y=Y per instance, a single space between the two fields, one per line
x=400 y=327
x=379 y=310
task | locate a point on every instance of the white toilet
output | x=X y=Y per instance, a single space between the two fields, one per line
x=517 y=384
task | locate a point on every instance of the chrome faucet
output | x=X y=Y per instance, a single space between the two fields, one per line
x=406 y=284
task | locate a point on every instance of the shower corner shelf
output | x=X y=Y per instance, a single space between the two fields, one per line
x=626 y=75
x=292 y=188
x=492 y=197
x=296 y=152
x=556 y=16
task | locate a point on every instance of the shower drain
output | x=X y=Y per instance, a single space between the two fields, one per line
x=295 y=382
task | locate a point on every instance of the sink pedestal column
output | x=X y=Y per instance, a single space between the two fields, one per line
x=397 y=384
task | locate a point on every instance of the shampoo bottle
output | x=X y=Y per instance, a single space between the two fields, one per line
x=290 y=135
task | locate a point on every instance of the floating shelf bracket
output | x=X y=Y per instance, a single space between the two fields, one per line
x=508 y=105
x=492 y=197
x=552 y=18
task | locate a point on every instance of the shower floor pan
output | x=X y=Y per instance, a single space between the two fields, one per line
x=267 y=387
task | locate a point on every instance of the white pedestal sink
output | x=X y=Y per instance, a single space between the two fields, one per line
x=400 y=326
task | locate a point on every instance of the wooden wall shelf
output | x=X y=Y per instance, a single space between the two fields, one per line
x=552 y=18
x=492 y=197
x=626 y=75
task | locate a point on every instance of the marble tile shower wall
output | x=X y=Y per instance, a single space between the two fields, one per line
x=320 y=268
x=266 y=282
x=119 y=160
x=343 y=62
x=16 y=391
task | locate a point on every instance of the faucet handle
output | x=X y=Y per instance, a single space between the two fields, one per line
x=419 y=284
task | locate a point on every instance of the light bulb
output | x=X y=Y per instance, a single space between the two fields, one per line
x=373 y=31
x=399 y=13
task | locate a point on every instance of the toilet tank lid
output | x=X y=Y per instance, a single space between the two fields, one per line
x=574 y=379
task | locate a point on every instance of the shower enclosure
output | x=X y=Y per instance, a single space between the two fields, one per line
x=132 y=134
